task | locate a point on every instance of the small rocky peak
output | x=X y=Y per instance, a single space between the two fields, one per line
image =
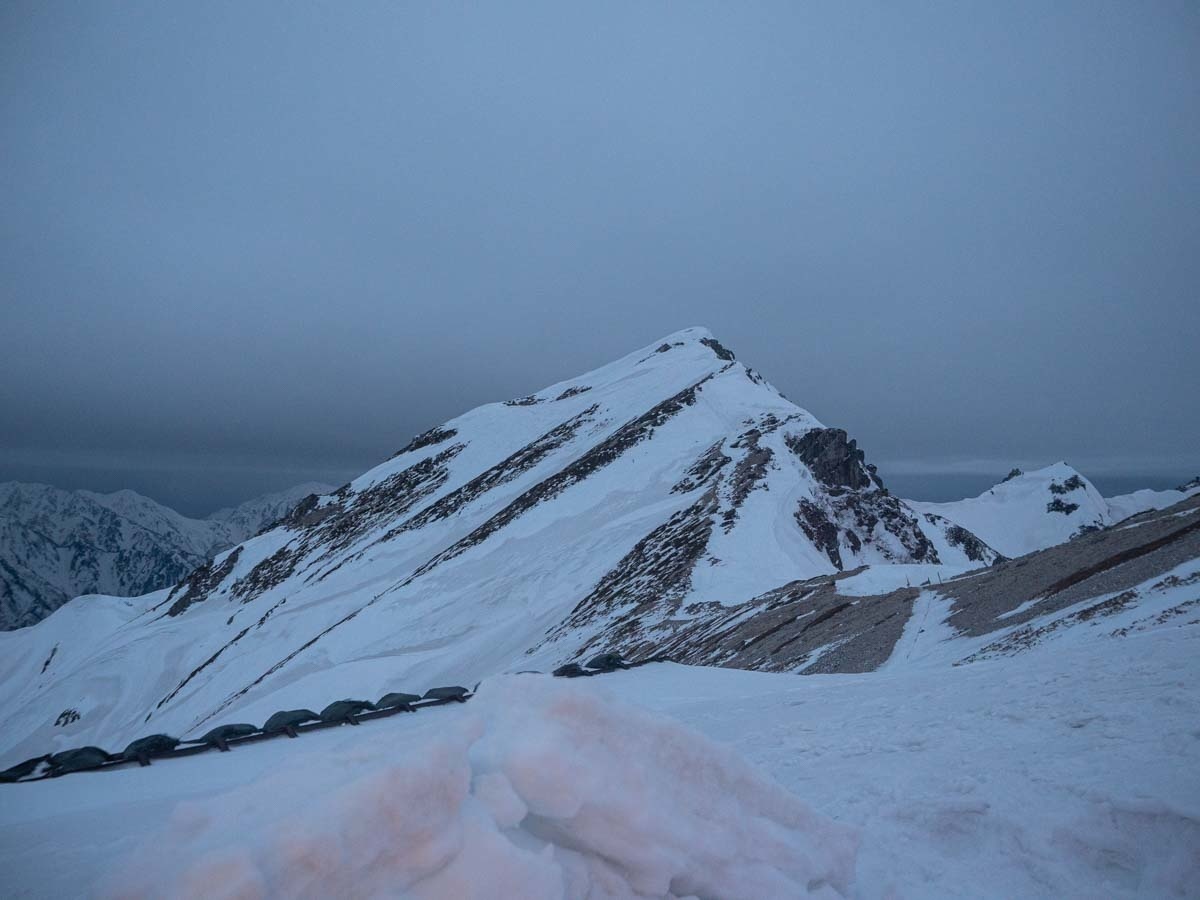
x=723 y=352
x=834 y=458
x=1015 y=473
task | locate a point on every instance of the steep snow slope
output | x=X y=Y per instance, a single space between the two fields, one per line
x=1065 y=770
x=1028 y=511
x=56 y=544
x=601 y=508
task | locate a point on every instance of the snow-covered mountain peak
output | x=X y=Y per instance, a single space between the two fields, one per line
x=1055 y=473
x=1029 y=511
x=597 y=512
x=690 y=352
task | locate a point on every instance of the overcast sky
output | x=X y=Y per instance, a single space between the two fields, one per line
x=244 y=245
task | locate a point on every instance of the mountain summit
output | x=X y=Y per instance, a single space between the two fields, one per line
x=600 y=511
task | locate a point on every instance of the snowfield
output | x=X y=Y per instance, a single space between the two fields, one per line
x=1026 y=727
x=1067 y=769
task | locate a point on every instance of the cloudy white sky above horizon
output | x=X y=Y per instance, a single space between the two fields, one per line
x=244 y=245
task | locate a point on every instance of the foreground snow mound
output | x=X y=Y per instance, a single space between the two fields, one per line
x=539 y=790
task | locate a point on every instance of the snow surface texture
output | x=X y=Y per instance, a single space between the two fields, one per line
x=1062 y=769
x=537 y=790
x=510 y=537
x=56 y=545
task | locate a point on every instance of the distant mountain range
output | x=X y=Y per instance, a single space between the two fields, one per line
x=56 y=544
x=1031 y=511
x=671 y=501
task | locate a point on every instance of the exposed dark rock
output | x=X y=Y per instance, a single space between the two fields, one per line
x=202 y=582
x=501 y=473
x=436 y=435
x=346 y=519
x=971 y=545
x=307 y=513
x=211 y=659
x=808 y=627
x=273 y=570
x=611 y=448
x=975 y=549
x=1073 y=483
x=1024 y=638
x=1013 y=473
x=853 y=542
x=66 y=717
x=801 y=626
x=386 y=500
x=655 y=574
x=854 y=520
x=574 y=392
x=523 y=401
x=749 y=472
x=715 y=346
x=1059 y=506
x=817 y=526
x=702 y=470
x=1104 y=562
x=834 y=460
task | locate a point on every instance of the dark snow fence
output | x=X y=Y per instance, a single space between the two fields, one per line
x=288 y=722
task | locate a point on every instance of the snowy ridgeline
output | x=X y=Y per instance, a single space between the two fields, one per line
x=1063 y=767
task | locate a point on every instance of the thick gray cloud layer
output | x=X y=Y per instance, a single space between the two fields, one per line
x=246 y=244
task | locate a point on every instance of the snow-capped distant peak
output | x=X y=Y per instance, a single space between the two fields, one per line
x=1123 y=506
x=1028 y=511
